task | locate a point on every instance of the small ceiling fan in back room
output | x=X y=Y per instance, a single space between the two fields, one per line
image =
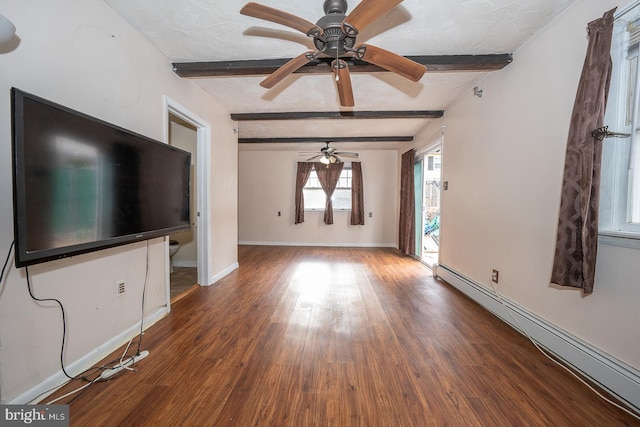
x=334 y=36
x=329 y=155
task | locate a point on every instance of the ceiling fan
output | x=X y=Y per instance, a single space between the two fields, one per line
x=329 y=155
x=334 y=36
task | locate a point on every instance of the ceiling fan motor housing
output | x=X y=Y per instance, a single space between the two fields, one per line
x=334 y=42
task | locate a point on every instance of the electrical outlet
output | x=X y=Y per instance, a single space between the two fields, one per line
x=120 y=287
x=494 y=275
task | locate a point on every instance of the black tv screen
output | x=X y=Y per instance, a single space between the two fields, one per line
x=81 y=184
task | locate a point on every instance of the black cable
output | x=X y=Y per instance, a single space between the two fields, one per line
x=64 y=321
x=6 y=261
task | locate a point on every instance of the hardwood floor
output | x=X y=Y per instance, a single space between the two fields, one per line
x=337 y=337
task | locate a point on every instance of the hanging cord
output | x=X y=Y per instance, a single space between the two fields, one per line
x=144 y=293
x=64 y=320
x=4 y=267
x=544 y=352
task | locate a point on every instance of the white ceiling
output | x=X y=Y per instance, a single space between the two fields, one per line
x=209 y=30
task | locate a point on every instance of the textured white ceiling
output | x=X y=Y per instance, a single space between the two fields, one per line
x=209 y=30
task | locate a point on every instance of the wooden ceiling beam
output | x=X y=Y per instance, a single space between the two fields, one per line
x=312 y=115
x=325 y=139
x=434 y=63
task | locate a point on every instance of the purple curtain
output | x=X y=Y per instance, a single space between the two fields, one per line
x=406 y=232
x=304 y=170
x=577 y=237
x=357 y=196
x=328 y=176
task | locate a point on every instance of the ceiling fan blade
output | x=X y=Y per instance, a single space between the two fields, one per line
x=368 y=11
x=346 y=154
x=311 y=159
x=267 y=13
x=392 y=62
x=278 y=75
x=343 y=83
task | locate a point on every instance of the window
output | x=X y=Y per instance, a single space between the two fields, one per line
x=315 y=199
x=620 y=186
x=434 y=162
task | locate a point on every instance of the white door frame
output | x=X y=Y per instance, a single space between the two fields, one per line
x=203 y=174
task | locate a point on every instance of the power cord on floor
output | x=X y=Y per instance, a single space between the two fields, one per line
x=71 y=393
x=548 y=356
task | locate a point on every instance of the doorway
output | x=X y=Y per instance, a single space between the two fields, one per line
x=427 y=178
x=183 y=247
x=186 y=124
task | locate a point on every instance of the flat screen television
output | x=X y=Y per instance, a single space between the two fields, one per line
x=81 y=184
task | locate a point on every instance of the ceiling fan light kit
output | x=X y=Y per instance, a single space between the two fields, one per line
x=334 y=36
x=7 y=29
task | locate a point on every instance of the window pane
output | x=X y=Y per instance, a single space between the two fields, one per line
x=314 y=197
x=342 y=199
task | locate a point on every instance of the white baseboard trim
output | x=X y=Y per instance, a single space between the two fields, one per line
x=223 y=273
x=192 y=264
x=328 y=245
x=613 y=375
x=51 y=384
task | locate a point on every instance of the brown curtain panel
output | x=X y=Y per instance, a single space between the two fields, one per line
x=357 y=196
x=406 y=232
x=577 y=238
x=328 y=176
x=304 y=170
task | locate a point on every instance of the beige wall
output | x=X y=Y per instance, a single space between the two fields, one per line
x=504 y=158
x=79 y=53
x=267 y=181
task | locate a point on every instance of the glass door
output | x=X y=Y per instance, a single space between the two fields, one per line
x=430 y=206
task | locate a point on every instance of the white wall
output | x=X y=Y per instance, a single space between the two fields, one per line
x=79 y=53
x=267 y=181
x=503 y=159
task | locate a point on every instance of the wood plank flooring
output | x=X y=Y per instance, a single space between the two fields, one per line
x=337 y=337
